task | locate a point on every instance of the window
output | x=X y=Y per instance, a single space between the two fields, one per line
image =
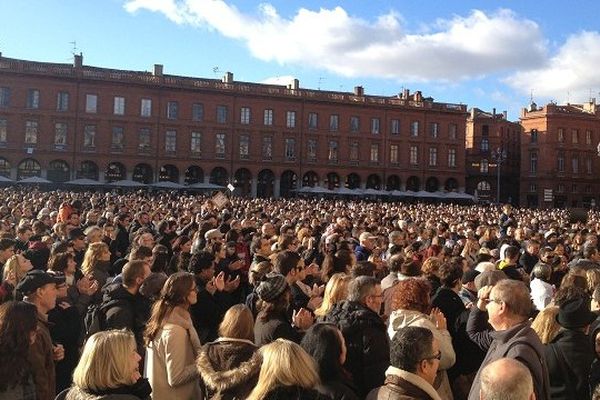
x=434 y=130
x=575 y=164
x=4 y=97
x=197 y=112
x=575 y=136
x=146 y=108
x=3 y=129
x=119 y=105
x=395 y=128
x=290 y=119
x=394 y=154
x=561 y=135
x=172 y=110
x=414 y=128
x=60 y=134
x=334 y=122
x=533 y=187
x=244 y=147
x=453 y=131
x=588 y=165
x=117 y=138
x=452 y=158
x=31 y=132
x=485 y=144
x=354 y=124
x=222 y=114
x=311 y=149
x=33 y=99
x=484 y=186
x=62 y=101
x=561 y=162
x=414 y=155
x=534 y=136
x=333 y=151
x=144 y=139
x=267 y=148
x=91 y=103
x=374 y=158
x=268 y=117
x=484 y=166
x=560 y=188
x=533 y=161
x=588 y=137
x=196 y=143
x=245 y=115
x=313 y=120
x=171 y=141
x=432 y=156
x=220 y=145
x=354 y=155
x=290 y=149
x=375 y=126
x=89 y=136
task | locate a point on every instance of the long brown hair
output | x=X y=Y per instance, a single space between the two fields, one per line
x=174 y=293
x=92 y=257
x=17 y=321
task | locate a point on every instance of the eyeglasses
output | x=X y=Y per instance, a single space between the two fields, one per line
x=488 y=301
x=437 y=356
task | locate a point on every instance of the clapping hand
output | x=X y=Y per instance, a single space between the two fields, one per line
x=232 y=284
x=302 y=319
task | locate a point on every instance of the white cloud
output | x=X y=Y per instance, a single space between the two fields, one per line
x=569 y=75
x=279 y=80
x=452 y=49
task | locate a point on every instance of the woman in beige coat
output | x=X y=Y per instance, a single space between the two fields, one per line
x=172 y=343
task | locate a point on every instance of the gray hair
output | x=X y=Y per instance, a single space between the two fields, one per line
x=360 y=287
x=506 y=379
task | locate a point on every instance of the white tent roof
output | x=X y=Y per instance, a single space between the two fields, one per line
x=127 y=183
x=202 y=185
x=167 y=185
x=84 y=182
x=34 y=179
x=5 y=179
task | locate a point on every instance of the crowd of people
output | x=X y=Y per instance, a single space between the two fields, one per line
x=163 y=295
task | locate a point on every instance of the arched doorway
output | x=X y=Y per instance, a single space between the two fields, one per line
x=218 y=176
x=242 y=180
x=310 y=179
x=194 y=174
x=4 y=167
x=432 y=184
x=451 y=185
x=88 y=170
x=289 y=182
x=59 y=171
x=413 y=183
x=28 y=168
x=143 y=173
x=266 y=183
x=374 y=182
x=168 y=173
x=115 y=171
x=353 y=181
x=393 y=182
x=333 y=181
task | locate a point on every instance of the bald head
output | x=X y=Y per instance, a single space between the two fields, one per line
x=506 y=379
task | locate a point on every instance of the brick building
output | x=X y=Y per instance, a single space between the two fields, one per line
x=493 y=156
x=559 y=155
x=63 y=121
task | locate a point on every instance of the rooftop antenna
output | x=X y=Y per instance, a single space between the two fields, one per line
x=74 y=44
x=568 y=97
x=321 y=79
x=531 y=96
x=216 y=71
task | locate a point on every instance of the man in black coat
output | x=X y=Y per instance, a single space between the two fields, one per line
x=365 y=333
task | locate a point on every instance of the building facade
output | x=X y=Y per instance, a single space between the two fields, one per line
x=559 y=156
x=63 y=121
x=493 y=156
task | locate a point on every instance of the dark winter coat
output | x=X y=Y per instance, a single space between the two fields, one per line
x=229 y=369
x=362 y=253
x=338 y=389
x=42 y=363
x=139 y=391
x=569 y=360
x=294 y=393
x=275 y=327
x=367 y=343
x=208 y=312
x=66 y=329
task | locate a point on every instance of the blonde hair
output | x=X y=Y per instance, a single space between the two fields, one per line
x=105 y=361
x=593 y=280
x=13 y=265
x=238 y=323
x=545 y=324
x=91 y=231
x=92 y=257
x=285 y=363
x=335 y=291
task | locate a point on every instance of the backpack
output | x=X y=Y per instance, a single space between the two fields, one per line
x=94 y=320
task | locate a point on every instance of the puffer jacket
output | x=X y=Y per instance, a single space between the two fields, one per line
x=367 y=343
x=402 y=318
x=229 y=368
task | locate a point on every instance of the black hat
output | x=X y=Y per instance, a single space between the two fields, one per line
x=76 y=233
x=469 y=276
x=35 y=279
x=272 y=287
x=575 y=313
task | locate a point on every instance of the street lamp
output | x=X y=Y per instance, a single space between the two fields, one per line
x=498 y=156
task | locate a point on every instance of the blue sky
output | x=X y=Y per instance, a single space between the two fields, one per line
x=487 y=54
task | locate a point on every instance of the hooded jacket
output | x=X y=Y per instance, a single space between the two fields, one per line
x=229 y=368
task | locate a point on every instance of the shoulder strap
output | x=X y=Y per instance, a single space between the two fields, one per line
x=565 y=371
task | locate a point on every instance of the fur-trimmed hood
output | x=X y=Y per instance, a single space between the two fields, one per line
x=229 y=365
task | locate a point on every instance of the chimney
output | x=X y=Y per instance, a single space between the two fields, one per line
x=494 y=112
x=405 y=94
x=228 y=78
x=295 y=84
x=505 y=114
x=359 y=91
x=418 y=96
x=473 y=112
x=158 y=69
x=78 y=60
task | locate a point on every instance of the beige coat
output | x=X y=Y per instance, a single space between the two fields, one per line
x=170 y=359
